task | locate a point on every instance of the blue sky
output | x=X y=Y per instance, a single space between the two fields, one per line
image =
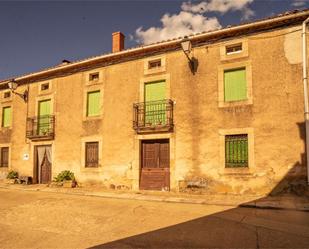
x=39 y=34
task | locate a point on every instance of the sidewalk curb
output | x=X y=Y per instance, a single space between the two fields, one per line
x=245 y=205
x=143 y=197
x=257 y=206
x=129 y=196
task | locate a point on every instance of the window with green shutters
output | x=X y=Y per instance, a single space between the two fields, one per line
x=44 y=108
x=236 y=151
x=44 y=112
x=155 y=104
x=235 y=85
x=6 y=116
x=93 y=103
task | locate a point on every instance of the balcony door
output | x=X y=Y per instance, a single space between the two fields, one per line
x=155 y=104
x=44 y=113
x=155 y=165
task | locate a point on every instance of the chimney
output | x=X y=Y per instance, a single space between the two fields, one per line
x=118 y=41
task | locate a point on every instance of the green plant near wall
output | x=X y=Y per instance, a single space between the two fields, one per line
x=65 y=175
x=12 y=175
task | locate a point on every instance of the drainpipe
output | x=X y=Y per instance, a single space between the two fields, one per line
x=305 y=82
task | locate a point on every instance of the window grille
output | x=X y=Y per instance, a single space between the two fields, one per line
x=236 y=151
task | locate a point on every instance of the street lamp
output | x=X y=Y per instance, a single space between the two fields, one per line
x=13 y=86
x=186 y=46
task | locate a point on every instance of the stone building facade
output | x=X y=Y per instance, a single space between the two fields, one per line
x=141 y=118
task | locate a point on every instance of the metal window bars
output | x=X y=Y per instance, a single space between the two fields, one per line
x=153 y=116
x=236 y=151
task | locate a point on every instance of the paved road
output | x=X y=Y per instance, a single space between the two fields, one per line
x=50 y=220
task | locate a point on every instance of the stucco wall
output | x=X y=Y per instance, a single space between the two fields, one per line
x=275 y=118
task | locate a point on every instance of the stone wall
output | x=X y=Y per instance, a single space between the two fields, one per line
x=275 y=118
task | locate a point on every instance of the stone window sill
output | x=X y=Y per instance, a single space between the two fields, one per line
x=237 y=172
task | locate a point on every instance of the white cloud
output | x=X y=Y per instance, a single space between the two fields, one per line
x=131 y=37
x=177 y=25
x=247 y=13
x=221 y=6
x=299 y=3
x=191 y=19
x=200 y=8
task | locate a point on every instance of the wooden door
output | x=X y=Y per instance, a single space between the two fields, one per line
x=42 y=164
x=155 y=165
x=45 y=171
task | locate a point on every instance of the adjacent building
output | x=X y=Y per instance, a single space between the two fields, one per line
x=226 y=117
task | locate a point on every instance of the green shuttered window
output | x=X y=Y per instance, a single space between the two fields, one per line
x=236 y=151
x=155 y=104
x=235 y=84
x=93 y=103
x=6 y=116
x=155 y=91
x=44 y=117
x=44 y=107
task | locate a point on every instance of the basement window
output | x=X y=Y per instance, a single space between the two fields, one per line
x=154 y=64
x=94 y=77
x=44 y=86
x=233 y=49
x=6 y=95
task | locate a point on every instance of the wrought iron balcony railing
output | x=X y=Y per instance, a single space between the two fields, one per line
x=41 y=127
x=153 y=116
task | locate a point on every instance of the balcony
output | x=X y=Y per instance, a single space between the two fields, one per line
x=41 y=128
x=153 y=116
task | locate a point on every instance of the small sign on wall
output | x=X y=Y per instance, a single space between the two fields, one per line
x=26 y=157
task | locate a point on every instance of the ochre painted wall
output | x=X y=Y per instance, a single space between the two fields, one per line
x=275 y=118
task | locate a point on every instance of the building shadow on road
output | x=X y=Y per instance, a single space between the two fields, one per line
x=240 y=227
x=235 y=228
